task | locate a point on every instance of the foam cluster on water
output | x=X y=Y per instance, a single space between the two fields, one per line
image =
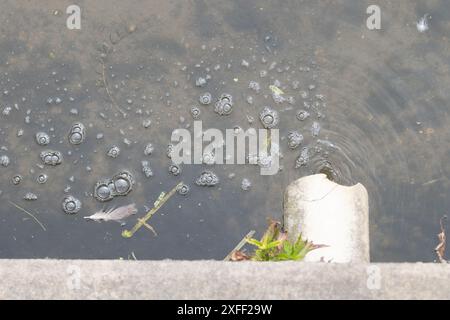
x=208 y=179
x=119 y=185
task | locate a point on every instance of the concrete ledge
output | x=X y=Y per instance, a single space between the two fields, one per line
x=106 y=279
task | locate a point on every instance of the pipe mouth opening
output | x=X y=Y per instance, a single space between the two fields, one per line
x=335 y=172
x=328 y=170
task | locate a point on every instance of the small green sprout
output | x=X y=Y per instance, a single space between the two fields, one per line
x=275 y=246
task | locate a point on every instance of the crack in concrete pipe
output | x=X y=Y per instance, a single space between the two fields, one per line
x=325 y=212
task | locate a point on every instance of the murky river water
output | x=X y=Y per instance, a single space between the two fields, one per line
x=380 y=99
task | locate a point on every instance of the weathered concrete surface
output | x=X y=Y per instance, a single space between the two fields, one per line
x=328 y=213
x=103 y=279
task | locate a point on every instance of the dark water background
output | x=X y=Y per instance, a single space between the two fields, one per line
x=380 y=97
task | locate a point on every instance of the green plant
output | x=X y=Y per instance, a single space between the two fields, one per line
x=275 y=246
x=268 y=246
x=294 y=251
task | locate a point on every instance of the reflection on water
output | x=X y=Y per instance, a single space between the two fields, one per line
x=358 y=105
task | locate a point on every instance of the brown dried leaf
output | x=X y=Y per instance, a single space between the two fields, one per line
x=283 y=236
x=440 y=248
x=239 y=256
x=272 y=231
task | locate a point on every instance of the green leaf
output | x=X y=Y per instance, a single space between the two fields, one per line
x=261 y=255
x=304 y=251
x=254 y=242
x=288 y=248
x=273 y=244
x=300 y=242
x=271 y=233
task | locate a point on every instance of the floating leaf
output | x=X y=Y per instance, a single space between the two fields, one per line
x=276 y=90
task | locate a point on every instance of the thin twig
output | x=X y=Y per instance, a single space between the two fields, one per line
x=239 y=245
x=149 y=227
x=28 y=213
x=141 y=222
x=108 y=92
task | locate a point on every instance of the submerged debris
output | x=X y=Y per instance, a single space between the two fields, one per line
x=302 y=115
x=207 y=178
x=255 y=86
x=265 y=160
x=30 y=196
x=440 y=248
x=146 y=169
x=4 y=161
x=200 y=82
x=6 y=111
x=104 y=83
x=114 y=214
x=54 y=100
x=422 y=24
x=29 y=214
x=295 y=84
x=148 y=150
x=169 y=151
x=146 y=123
x=315 y=129
x=277 y=94
x=303 y=158
x=71 y=205
x=295 y=139
x=246 y=184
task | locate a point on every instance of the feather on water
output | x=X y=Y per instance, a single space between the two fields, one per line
x=114 y=214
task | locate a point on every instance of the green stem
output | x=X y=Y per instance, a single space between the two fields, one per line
x=141 y=222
